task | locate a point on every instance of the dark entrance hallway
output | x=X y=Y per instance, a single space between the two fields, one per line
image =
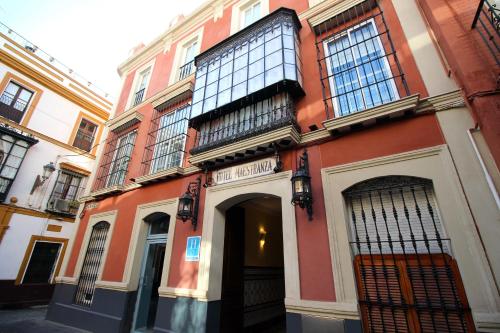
x=253 y=287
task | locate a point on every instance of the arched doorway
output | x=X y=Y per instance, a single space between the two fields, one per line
x=151 y=270
x=407 y=278
x=253 y=285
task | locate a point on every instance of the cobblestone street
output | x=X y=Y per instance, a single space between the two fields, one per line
x=31 y=320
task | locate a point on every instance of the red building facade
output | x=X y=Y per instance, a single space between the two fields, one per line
x=395 y=135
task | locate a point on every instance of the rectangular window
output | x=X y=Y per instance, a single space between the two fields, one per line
x=188 y=64
x=171 y=135
x=12 y=152
x=359 y=73
x=42 y=262
x=250 y=14
x=91 y=264
x=142 y=83
x=121 y=157
x=68 y=187
x=14 y=101
x=85 y=136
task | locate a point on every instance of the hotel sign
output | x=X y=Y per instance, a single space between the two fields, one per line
x=244 y=171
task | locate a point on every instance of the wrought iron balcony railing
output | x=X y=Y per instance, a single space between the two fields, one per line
x=138 y=97
x=115 y=160
x=186 y=70
x=258 y=118
x=487 y=23
x=357 y=59
x=166 y=139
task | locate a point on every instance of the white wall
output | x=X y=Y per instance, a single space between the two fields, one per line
x=17 y=237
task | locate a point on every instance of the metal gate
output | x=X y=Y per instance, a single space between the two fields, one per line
x=406 y=276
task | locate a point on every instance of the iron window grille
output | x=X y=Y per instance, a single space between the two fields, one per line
x=406 y=276
x=85 y=135
x=254 y=119
x=42 y=262
x=67 y=188
x=487 y=23
x=166 y=139
x=257 y=61
x=115 y=160
x=91 y=265
x=14 y=101
x=139 y=95
x=13 y=148
x=358 y=65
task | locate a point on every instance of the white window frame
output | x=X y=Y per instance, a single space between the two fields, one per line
x=243 y=11
x=113 y=161
x=154 y=167
x=137 y=81
x=237 y=22
x=180 y=53
x=331 y=79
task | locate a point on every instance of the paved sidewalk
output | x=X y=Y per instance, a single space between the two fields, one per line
x=31 y=320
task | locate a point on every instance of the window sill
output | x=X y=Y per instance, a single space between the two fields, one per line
x=107 y=191
x=174 y=93
x=370 y=116
x=125 y=120
x=253 y=146
x=160 y=175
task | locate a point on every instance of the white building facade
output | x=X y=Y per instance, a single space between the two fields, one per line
x=51 y=122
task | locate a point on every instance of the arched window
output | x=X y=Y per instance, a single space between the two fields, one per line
x=406 y=276
x=91 y=264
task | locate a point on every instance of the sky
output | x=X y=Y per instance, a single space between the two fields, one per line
x=92 y=36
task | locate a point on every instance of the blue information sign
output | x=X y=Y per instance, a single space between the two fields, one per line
x=193 y=248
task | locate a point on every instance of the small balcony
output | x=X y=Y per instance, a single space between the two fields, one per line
x=243 y=99
x=186 y=70
x=139 y=95
x=487 y=23
x=247 y=132
x=11 y=107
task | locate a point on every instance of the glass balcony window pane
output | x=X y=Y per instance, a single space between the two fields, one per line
x=200 y=82
x=226 y=57
x=225 y=83
x=273 y=45
x=212 y=76
x=226 y=69
x=256 y=41
x=239 y=91
x=274 y=32
x=274 y=75
x=214 y=64
x=256 y=83
x=289 y=57
x=211 y=89
x=240 y=62
x=240 y=50
x=256 y=68
x=256 y=54
x=274 y=60
x=196 y=109
x=198 y=96
x=288 y=42
x=209 y=104
x=290 y=72
x=240 y=76
x=224 y=97
x=201 y=71
x=287 y=29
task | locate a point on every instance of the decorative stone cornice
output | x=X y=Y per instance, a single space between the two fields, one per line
x=326 y=10
x=370 y=116
x=173 y=93
x=125 y=120
x=161 y=175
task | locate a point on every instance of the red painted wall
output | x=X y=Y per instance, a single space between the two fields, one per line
x=471 y=63
x=313 y=246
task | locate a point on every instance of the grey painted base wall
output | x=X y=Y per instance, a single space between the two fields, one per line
x=299 y=323
x=111 y=311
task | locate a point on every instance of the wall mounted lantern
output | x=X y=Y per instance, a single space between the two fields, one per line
x=301 y=185
x=262 y=238
x=48 y=169
x=189 y=203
